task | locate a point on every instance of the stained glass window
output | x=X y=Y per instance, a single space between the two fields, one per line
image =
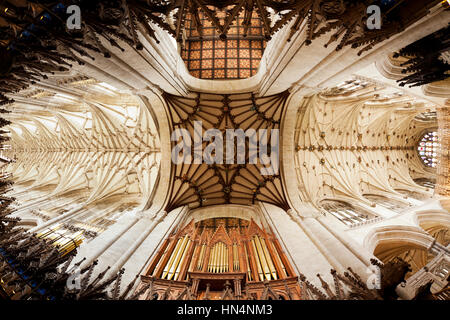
x=237 y=57
x=429 y=149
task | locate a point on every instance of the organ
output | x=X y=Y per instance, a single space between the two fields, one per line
x=220 y=258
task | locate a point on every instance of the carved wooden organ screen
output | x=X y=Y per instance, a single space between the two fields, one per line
x=210 y=253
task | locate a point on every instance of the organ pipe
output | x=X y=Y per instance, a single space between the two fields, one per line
x=196 y=251
x=172 y=257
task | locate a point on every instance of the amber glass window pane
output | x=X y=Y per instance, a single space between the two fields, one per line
x=237 y=57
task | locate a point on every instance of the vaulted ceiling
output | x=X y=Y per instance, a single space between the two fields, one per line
x=358 y=138
x=100 y=147
x=237 y=179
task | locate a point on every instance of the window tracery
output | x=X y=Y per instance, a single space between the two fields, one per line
x=345 y=212
x=428 y=149
x=427 y=116
x=388 y=203
x=413 y=194
x=425 y=182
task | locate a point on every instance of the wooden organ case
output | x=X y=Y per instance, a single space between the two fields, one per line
x=220 y=258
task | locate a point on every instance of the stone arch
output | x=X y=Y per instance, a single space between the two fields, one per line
x=387 y=201
x=335 y=205
x=415 y=194
x=406 y=242
x=225 y=211
x=413 y=236
x=436 y=224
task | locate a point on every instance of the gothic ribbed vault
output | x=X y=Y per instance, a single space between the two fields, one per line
x=238 y=180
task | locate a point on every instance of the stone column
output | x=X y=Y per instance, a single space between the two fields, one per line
x=156 y=219
x=101 y=244
x=69 y=213
x=339 y=253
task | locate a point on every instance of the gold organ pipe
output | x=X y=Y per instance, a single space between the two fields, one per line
x=183 y=257
x=50 y=230
x=263 y=258
x=172 y=257
x=178 y=258
x=219 y=253
x=226 y=258
x=202 y=256
x=216 y=258
x=273 y=271
x=61 y=242
x=258 y=263
x=249 y=272
x=219 y=258
x=210 y=259
x=55 y=237
x=222 y=258
x=259 y=258
x=45 y=233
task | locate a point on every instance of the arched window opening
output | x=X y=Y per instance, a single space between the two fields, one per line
x=425 y=182
x=388 y=203
x=427 y=116
x=413 y=194
x=428 y=149
x=417 y=257
x=345 y=212
x=440 y=232
x=207 y=56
